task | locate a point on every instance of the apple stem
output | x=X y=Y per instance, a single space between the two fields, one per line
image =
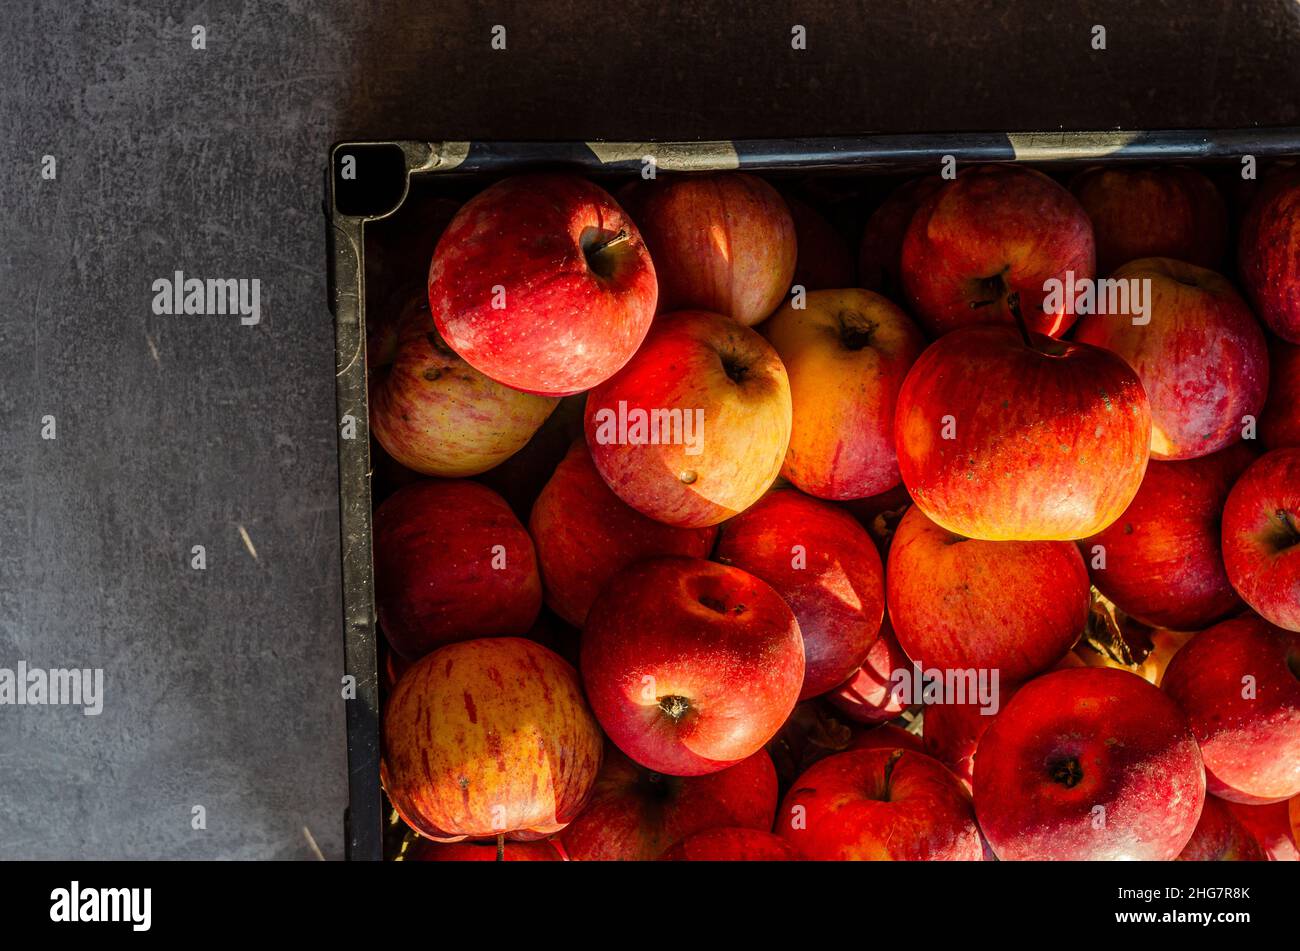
x=1013 y=305
x=617 y=239
x=501 y=846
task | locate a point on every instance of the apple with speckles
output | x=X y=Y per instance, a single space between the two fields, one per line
x=1268 y=254
x=1261 y=537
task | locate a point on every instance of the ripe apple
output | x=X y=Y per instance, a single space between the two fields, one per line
x=1220 y=837
x=846 y=353
x=423 y=850
x=824 y=260
x=695 y=428
x=879 y=804
x=993 y=233
x=451 y=563
x=881 y=251
x=585 y=534
x=690 y=666
x=543 y=283
x=721 y=242
x=732 y=845
x=1279 y=424
x=487 y=738
x=1011 y=437
x=959 y=603
x=1261 y=537
x=1088 y=763
x=1202 y=358
x=1239 y=685
x=1171 y=212
x=635 y=814
x=1163 y=557
x=1268 y=254
x=1269 y=825
x=887 y=737
x=867 y=696
x=825 y=566
x=436 y=414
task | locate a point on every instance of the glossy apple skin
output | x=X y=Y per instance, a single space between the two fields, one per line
x=1251 y=746
x=635 y=814
x=1173 y=212
x=585 y=534
x=835 y=585
x=436 y=414
x=1268 y=254
x=690 y=666
x=1269 y=825
x=1202 y=359
x=1261 y=537
x=722 y=242
x=688 y=363
x=567 y=322
x=824 y=260
x=489 y=736
x=426 y=851
x=1051 y=442
x=732 y=845
x=1164 y=558
x=887 y=737
x=994 y=231
x=867 y=696
x=1279 y=425
x=882 y=804
x=1077 y=739
x=1220 y=837
x=435 y=543
x=955 y=603
x=846 y=353
x=880 y=254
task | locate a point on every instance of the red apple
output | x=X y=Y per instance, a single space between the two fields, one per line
x=887 y=737
x=635 y=814
x=543 y=283
x=825 y=566
x=1088 y=763
x=1239 y=685
x=1279 y=424
x=451 y=563
x=426 y=851
x=991 y=233
x=585 y=534
x=1202 y=357
x=881 y=251
x=959 y=603
x=1163 y=558
x=1269 y=825
x=1268 y=254
x=1008 y=440
x=1220 y=837
x=846 y=353
x=437 y=415
x=721 y=242
x=824 y=260
x=695 y=428
x=1171 y=212
x=732 y=845
x=879 y=804
x=1261 y=537
x=690 y=666
x=868 y=696
x=489 y=737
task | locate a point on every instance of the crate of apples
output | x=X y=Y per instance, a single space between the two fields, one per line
x=723 y=523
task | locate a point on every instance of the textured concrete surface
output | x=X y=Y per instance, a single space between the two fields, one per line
x=222 y=684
